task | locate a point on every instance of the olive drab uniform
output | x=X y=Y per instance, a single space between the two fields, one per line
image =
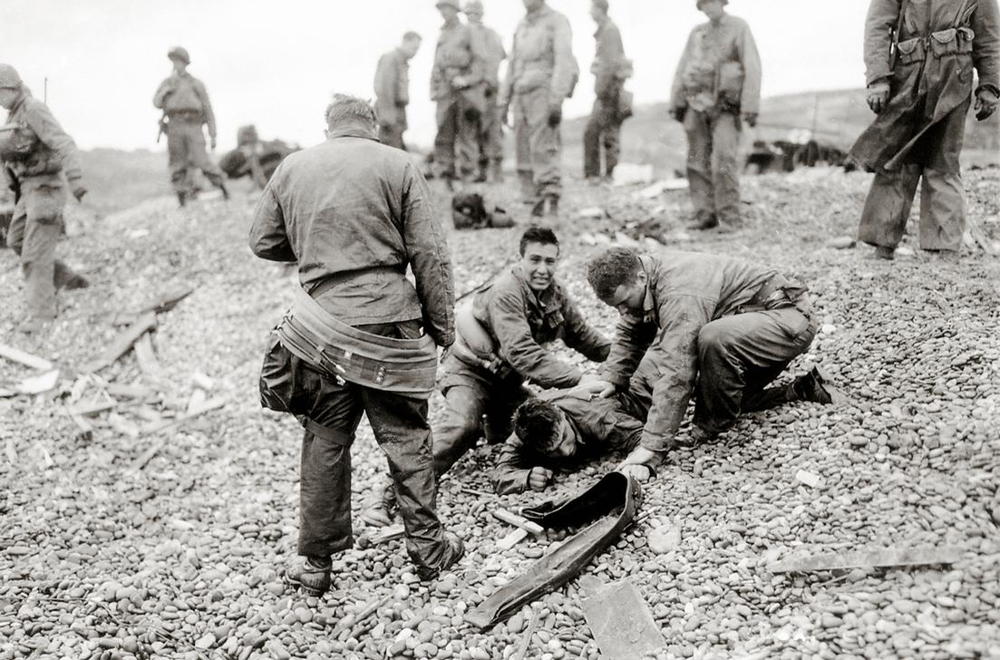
x=36 y=155
x=459 y=65
x=489 y=136
x=604 y=126
x=392 y=95
x=541 y=74
x=718 y=78
x=715 y=327
x=919 y=134
x=354 y=215
x=184 y=100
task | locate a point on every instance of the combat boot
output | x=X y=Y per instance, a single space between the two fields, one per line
x=76 y=281
x=496 y=171
x=885 y=253
x=454 y=550
x=311 y=574
x=704 y=221
x=546 y=205
x=814 y=387
x=384 y=510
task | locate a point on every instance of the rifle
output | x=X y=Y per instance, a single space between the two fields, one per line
x=163 y=127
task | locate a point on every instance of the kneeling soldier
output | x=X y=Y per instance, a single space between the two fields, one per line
x=719 y=328
x=500 y=346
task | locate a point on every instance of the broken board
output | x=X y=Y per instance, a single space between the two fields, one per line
x=870 y=558
x=621 y=622
x=121 y=345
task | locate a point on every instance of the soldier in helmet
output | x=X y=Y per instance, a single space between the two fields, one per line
x=37 y=158
x=489 y=135
x=541 y=74
x=716 y=89
x=186 y=107
x=459 y=65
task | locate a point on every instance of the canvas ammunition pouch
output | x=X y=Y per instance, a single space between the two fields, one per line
x=17 y=143
x=953 y=41
x=474 y=347
x=403 y=366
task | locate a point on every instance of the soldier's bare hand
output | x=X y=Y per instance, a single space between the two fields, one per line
x=678 y=114
x=212 y=143
x=640 y=473
x=79 y=192
x=539 y=478
x=878 y=96
x=986 y=103
x=555 y=115
x=596 y=387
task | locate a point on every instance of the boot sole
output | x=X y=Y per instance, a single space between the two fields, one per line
x=309 y=591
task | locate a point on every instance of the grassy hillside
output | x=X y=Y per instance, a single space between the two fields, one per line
x=121 y=179
x=651 y=137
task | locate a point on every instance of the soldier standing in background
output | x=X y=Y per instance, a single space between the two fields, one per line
x=185 y=105
x=605 y=122
x=35 y=153
x=541 y=74
x=459 y=66
x=489 y=134
x=392 y=90
x=717 y=81
x=919 y=58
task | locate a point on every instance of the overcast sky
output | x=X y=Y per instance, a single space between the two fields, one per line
x=275 y=63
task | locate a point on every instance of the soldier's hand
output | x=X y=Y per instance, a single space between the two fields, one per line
x=678 y=114
x=79 y=192
x=212 y=142
x=555 y=115
x=986 y=103
x=878 y=96
x=539 y=478
x=596 y=387
x=750 y=118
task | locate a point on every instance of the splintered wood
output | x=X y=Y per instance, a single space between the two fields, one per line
x=869 y=558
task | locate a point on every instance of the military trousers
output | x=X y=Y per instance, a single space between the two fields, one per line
x=713 y=164
x=933 y=163
x=330 y=410
x=740 y=355
x=392 y=135
x=538 y=145
x=187 y=154
x=455 y=152
x=490 y=133
x=35 y=230
x=477 y=404
x=603 y=129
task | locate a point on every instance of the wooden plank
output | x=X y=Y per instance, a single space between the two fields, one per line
x=157 y=427
x=622 y=623
x=166 y=301
x=512 y=539
x=121 y=345
x=869 y=558
x=146 y=357
x=517 y=521
x=91 y=408
x=27 y=359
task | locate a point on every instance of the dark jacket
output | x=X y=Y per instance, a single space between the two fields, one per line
x=51 y=151
x=519 y=321
x=354 y=214
x=684 y=292
x=939 y=46
x=608 y=60
x=599 y=427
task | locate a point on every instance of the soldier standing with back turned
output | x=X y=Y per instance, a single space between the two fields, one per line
x=605 y=122
x=717 y=82
x=184 y=101
x=920 y=57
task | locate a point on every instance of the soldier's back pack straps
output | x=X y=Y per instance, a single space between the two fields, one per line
x=404 y=366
